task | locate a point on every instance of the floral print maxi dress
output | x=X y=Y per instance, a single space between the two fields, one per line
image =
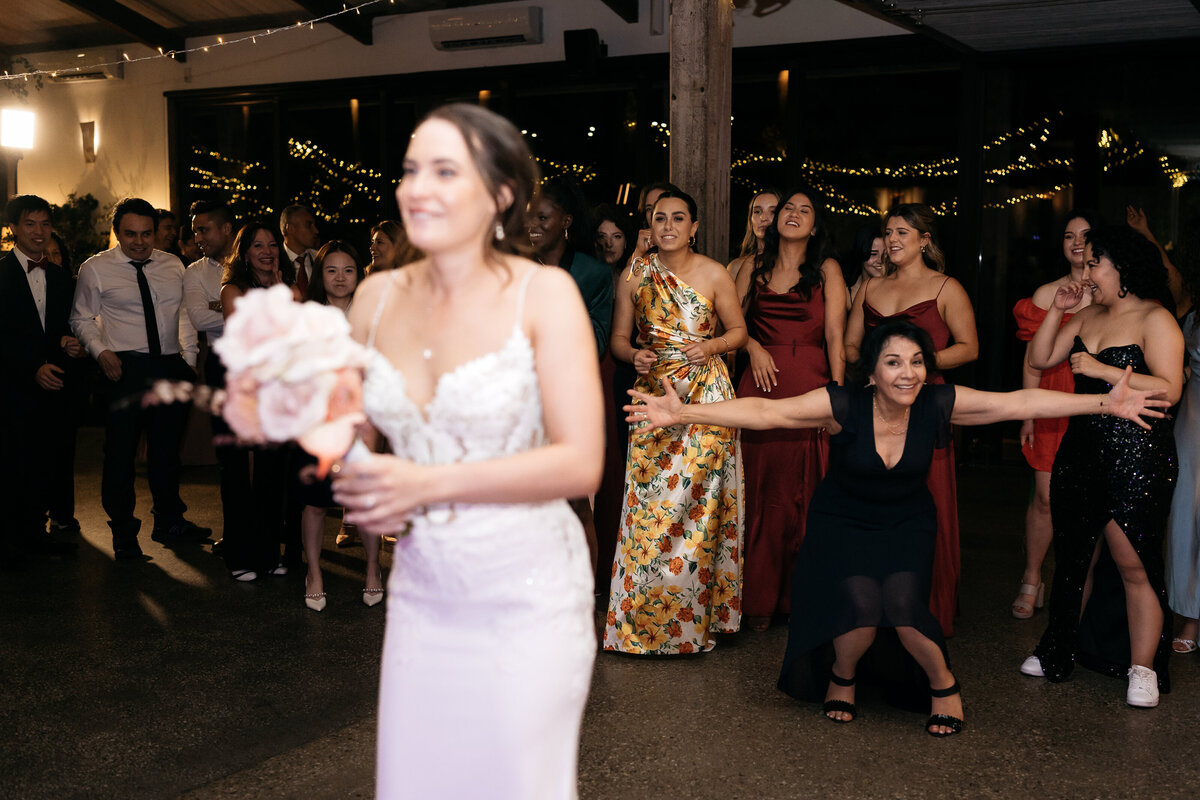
x=676 y=577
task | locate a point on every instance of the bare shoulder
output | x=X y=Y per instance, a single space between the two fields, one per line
x=1043 y=296
x=710 y=269
x=1159 y=321
x=832 y=271
x=738 y=264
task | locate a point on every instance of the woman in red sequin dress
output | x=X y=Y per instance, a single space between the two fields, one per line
x=795 y=346
x=1040 y=438
x=914 y=288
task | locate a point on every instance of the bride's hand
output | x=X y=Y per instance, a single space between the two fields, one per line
x=1133 y=404
x=655 y=411
x=379 y=493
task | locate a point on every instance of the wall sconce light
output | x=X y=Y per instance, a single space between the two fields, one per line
x=90 y=141
x=16 y=129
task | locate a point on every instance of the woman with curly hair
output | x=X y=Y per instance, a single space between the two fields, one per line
x=1110 y=490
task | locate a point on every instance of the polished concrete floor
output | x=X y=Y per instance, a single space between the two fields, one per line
x=164 y=678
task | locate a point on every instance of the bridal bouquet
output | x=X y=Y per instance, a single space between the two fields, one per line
x=294 y=373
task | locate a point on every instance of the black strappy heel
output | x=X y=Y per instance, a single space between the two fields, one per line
x=953 y=723
x=840 y=705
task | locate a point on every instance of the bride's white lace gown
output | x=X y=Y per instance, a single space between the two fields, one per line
x=490 y=641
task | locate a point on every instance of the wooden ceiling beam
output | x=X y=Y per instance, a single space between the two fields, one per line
x=628 y=9
x=356 y=26
x=133 y=24
x=888 y=11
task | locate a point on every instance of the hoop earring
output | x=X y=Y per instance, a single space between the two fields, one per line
x=1124 y=291
x=499 y=232
x=692 y=242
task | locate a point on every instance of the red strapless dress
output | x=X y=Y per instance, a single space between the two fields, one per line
x=947 y=562
x=1047 y=433
x=782 y=467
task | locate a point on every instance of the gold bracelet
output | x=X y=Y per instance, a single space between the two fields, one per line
x=726 y=341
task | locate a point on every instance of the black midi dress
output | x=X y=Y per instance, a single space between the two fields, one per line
x=867 y=556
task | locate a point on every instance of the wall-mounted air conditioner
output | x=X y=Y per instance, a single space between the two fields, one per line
x=72 y=66
x=486 y=28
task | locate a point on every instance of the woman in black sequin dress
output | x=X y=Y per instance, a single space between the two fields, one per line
x=1110 y=491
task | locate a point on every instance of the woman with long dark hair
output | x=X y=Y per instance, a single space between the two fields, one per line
x=253 y=479
x=795 y=314
x=676 y=576
x=1110 y=491
x=1040 y=438
x=914 y=287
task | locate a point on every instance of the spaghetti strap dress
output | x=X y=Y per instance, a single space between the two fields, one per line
x=784 y=465
x=1107 y=468
x=490 y=639
x=947 y=563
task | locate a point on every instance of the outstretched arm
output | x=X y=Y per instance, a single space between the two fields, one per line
x=973 y=407
x=810 y=410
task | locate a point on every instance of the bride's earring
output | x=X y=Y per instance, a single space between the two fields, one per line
x=499 y=232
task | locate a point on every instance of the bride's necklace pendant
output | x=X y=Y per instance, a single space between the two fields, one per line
x=426 y=354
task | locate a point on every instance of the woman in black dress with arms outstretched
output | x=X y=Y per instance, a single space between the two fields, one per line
x=866 y=560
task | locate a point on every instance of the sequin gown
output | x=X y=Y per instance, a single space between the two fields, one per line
x=943 y=485
x=1183 y=528
x=867 y=558
x=784 y=465
x=676 y=576
x=490 y=639
x=1107 y=468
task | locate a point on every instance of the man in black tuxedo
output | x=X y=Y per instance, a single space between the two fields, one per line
x=35 y=345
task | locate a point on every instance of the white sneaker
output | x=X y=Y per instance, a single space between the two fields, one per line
x=1032 y=667
x=1143 y=687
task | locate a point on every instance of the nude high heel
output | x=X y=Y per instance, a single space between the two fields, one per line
x=373 y=597
x=1021 y=609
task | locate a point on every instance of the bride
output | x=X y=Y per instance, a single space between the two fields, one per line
x=485 y=382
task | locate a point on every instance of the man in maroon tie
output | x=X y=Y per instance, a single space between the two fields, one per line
x=128 y=313
x=300 y=242
x=35 y=302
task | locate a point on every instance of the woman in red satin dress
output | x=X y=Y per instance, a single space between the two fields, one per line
x=915 y=288
x=1040 y=438
x=795 y=346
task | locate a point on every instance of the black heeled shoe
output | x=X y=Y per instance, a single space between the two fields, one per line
x=945 y=720
x=839 y=705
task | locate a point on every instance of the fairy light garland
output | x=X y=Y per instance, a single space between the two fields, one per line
x=221 y=41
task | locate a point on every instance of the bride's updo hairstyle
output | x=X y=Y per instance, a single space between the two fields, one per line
x=872 y=348
x=921 y=219
x=502 y=159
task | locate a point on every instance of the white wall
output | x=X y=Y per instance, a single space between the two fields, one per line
x=130 y=114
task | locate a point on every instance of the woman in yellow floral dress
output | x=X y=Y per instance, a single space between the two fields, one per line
x=676 y=577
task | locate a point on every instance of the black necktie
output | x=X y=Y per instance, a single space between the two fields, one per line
x=148 y=308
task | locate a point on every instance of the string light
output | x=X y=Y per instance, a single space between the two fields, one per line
x=171 y=54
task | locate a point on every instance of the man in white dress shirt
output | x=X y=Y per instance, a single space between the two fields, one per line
x=128 y=313
x=300 y=242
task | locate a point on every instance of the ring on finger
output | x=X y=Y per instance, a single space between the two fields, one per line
x=369 y=501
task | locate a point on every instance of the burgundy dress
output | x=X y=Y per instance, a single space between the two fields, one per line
x=782 y=467
x=947 y=566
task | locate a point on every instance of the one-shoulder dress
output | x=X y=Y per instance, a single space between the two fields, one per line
x=489 y=646
x=676 y=575
x=867 y=558
x=943 y=485
x=783 y=465
x=1107 y=468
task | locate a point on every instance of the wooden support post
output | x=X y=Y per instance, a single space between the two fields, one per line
x=701 y=101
